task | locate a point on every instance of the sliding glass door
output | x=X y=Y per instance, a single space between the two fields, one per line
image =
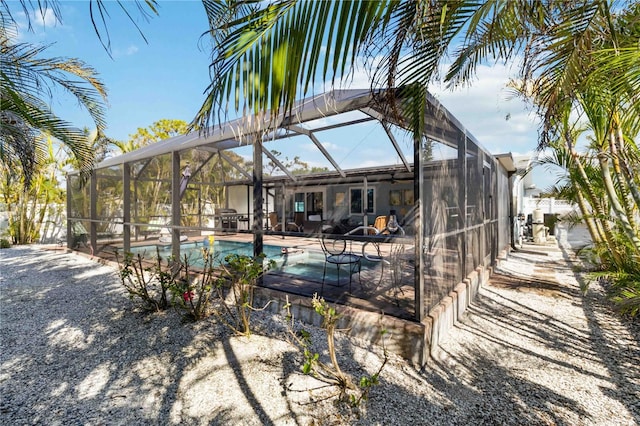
x=308 y=202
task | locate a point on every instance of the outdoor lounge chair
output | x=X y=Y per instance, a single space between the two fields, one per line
x=153 y=228
x=166 y=239
x=273 y=222
x=165 y=236
x=298 y=221
x=314 y=224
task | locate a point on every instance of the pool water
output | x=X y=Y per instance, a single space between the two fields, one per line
x=304 y=263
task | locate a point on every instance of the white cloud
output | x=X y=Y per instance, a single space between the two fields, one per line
x=330 y=146
x=500 y=122
x=488 y=110
x=45 y=18
x=129 y=51
x=38 y=25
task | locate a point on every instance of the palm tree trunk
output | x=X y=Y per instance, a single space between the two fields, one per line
x=618 y=178
x=21 y=237
x=588 y=217
x=607 y=232
x=617 y=207
x=618 y=140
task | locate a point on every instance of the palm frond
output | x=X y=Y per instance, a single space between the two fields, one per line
x=26 y=82
x=627 y=300
x=496 y=30
x=98 y=11
x=18 y=146
x=257 y=63
x=32 y=112
x=562 y=54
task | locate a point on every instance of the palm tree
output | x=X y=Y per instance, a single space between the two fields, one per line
x=269 y=54
x=25 y=79
x=28 y=207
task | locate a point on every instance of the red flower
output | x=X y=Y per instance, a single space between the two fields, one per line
x=188 y=295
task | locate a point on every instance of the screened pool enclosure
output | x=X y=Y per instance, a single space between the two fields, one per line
x=418 y=216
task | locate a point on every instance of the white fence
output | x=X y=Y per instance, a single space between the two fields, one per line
x=53 y=227
x=547 y=205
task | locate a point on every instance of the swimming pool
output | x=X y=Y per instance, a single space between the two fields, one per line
x=304 y=263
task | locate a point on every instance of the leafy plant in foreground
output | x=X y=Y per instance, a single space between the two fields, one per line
x=331 y=373
x=235 y=289
x=621 y=280
x=150 y=284
x=191 y=292
x=623 y=288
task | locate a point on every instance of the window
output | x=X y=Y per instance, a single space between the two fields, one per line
x=395 y=197
x=298 y=202
x=356 y=201
x=315 y=202
x=308 y=202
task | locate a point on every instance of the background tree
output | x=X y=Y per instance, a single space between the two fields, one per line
x=209 y=174
x=153 y=176
x=159 y=130
x=602 y=90
x=42 y=200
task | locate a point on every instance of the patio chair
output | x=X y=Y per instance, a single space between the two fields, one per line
x=336 y=253
x=298 y=221
x=394 y=261
x=275 y=225
x=273 y=222
x=371 y=251
x=397 y=256
x=381 y=224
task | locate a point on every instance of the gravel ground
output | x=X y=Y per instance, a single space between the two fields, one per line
x=531 y=350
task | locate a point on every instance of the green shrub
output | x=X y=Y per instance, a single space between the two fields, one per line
x=4 y=243
x=192 y=292
x=235 y=289
x=331 y=373
x=149 y=284
x=622 y=287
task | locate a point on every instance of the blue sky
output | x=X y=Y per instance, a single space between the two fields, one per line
x=146 y=82
x=166 y=77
